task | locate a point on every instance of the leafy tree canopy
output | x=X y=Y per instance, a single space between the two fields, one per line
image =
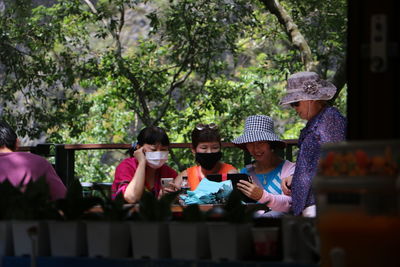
x=98 y=71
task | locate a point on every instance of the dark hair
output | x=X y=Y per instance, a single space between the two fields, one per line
x=205 y=135
x=8 y=137
x=150 y=135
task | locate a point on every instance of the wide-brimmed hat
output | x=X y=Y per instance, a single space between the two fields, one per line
x=307 y=86
x=258 y=128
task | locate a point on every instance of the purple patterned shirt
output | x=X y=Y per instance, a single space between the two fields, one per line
x=328 y=126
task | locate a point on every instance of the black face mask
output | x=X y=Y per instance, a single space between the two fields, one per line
x=208 y=160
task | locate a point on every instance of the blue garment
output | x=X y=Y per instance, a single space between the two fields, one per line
x=270 y=181
x=328 y=126
x=208 y=192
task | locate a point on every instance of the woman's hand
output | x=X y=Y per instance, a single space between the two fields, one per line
x=140 y=156
x=170 y=188
x=253 y=191
x=286 y=185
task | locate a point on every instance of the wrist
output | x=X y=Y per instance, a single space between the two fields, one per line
x=259 y=195
x=264 y=197
x=142 y=163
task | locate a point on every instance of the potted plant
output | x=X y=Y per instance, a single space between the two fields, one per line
x=68 y=235
x=7 y=192
x=230 y=238
x=149 y=228
x=189 y=237
x=107 y=231
x=28 y=206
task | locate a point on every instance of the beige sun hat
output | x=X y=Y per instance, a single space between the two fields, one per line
x=307 y=86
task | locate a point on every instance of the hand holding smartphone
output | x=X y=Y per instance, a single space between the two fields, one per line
x=235 y=178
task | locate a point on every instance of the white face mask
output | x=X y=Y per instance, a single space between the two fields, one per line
x=156 y=159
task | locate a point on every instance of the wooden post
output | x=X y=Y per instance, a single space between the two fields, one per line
x=65 y=163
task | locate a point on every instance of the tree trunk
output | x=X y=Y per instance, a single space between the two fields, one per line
x=298 y=40
x=292 y=31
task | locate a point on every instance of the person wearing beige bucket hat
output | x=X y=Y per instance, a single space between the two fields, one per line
x=307 y=93
x=267 y=170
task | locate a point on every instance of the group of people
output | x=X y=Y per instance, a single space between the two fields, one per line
x=282 y=185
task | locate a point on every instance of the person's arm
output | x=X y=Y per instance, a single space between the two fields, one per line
x=276 y=202
x=176 y=184
x=135 y=188
x=172 y=186
x=286 y=184
x=286 y=177
x=56 y=186
x=306 y=169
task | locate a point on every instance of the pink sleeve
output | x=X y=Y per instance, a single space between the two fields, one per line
x=276 y=202
x=288 y=169
x=123 y=175
x=56 y=186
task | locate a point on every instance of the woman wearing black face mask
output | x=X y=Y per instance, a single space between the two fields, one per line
x=206 y=146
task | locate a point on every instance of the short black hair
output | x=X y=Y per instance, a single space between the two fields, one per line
x=205 y=135
x=151 y=135
x=8 y=137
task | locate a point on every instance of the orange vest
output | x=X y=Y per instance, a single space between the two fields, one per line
x=194 y=178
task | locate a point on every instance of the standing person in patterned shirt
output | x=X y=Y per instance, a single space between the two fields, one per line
x=308 y=95
x=267 y=170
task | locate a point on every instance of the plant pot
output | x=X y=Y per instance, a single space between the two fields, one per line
x=67 y=239
x=6 y=242
x=150 y=240
x=189 y=241
x=266 y=242
x=230 y=241
x=30 y=236
x=108 y=239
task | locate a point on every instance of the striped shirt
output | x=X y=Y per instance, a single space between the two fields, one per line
x=270 y=181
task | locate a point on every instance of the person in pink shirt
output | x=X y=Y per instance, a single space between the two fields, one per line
x=145 y=167
x=18 y=167
x=268 y=169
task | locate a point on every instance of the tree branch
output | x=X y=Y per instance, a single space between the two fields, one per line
x=113 y=34
x=339 y=79
x=292 y=31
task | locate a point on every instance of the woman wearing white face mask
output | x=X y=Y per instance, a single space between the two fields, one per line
x=145 y=168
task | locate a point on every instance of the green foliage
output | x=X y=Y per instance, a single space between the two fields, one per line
x=108 y=209
x=37 y=63
x=83 y=77
x=153 y=209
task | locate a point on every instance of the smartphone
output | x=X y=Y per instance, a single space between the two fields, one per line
x=166 y=181
x=235 y=178
x=215 y=177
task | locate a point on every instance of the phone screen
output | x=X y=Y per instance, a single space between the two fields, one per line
x=165 y=181
x=235 y=177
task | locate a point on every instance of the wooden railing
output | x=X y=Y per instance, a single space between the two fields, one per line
x=65 y=153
